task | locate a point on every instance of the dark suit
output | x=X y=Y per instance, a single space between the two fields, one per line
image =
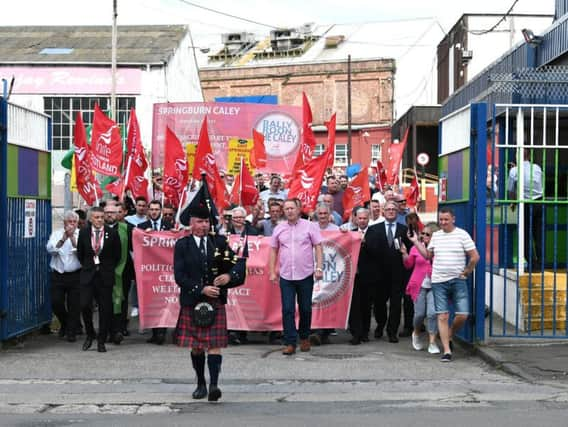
x=97 y=281
x=363 y=289
x=158 y=334
x=390 y=273
x=189 y=269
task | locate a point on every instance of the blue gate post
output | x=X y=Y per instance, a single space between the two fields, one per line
x=479 y=199
x=3 y=209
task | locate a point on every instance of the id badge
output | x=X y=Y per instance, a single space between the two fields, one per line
x=96 y=260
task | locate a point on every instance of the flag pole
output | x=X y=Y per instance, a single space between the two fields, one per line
x=128 y=163
x=241 y=183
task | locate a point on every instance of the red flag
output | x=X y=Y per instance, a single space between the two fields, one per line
x=136 y=167
x=331 y=140
x=306 y=183
x=381 y=176
x=205 y=163
x=308 y=144
x=258 y=154
x=106 y=145
x=87 y=185
x=413 y=193
x=395 y=158
x=136 y=181
x=356 y=193
x=244 y=191
x=175 y=168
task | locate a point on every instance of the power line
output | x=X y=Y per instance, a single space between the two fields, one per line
x=480 y=33
x=227 y=14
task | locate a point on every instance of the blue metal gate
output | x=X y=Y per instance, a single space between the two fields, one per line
x=25 y=219
x=462 y=158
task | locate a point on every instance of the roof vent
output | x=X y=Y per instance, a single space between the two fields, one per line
x=332 y=42
x=237 y=42
x=284 y=39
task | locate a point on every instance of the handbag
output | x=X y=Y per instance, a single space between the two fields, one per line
x=203 y=314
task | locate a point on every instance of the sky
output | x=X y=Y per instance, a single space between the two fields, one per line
x=421 y=24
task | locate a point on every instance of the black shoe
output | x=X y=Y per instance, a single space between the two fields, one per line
x=125 y=332
x=71 y=338
x=315 y=340
x=365 y=338
x=405 y=333
x=393 y=338
x=234 y=340
x=214 y=393
x=61 y=333
x=447 y=357
x=325 y=340
x=117 y=338
x=152 y=339
x=378 y=333
x=354 y=341
x=101 y=347
x=200 y=392
x=160 y=339
x=88 y=343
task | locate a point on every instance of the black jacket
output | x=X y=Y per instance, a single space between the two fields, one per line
x=189 y=272
x=109 y=256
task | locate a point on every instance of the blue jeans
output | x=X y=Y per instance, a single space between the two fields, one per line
x=454 y=290
x=424 y=308
x=289 y=289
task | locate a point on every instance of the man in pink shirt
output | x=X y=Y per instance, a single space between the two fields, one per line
x=293 y=242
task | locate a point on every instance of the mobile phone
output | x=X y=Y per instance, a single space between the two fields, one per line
x=397 y=244
x=411 y=229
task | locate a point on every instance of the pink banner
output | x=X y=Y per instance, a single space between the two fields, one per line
x=72 y=80
x=280 y=125
x=254 y=306
x=158 y=293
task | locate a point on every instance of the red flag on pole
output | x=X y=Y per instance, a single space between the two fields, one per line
x=258 y=154
x=244 y=191
x=331 y=140
x=205 y=163
x=136 y=164
x=106 y=145
x=356 y=193
x=413 y=193
x=175 y=168
x=87 y=184
x=306 y=183
x=381 y=176
x=395 y=159
x=308 y=144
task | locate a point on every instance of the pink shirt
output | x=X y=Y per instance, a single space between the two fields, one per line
x=295 y=244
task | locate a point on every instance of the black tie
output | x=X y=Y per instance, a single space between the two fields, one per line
x=202 y=246
x=390 y=236
x=155 y=227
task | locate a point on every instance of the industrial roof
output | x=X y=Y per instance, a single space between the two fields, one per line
x=143 y=44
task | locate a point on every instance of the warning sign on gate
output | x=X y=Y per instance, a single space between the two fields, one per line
x=30 y=219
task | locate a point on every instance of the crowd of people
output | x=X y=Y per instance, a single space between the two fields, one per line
x=406 y=272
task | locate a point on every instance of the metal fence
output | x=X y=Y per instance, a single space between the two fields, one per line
x=527 y=229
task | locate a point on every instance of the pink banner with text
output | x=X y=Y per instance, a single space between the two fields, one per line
x=280 y=125
x=254 y=306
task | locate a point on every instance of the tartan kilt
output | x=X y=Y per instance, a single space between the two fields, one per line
x=214 y=336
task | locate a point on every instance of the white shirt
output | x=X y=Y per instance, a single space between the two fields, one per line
x=63 y=259
x=393 y=228
x=267 y=194
x=198 y=241
x=135 y=219
x=450 y=251
x=532 y=176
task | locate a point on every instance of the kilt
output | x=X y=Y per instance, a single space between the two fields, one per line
x=214 y=336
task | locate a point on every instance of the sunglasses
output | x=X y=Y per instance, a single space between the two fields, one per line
x=425 y=234
x=168 y=214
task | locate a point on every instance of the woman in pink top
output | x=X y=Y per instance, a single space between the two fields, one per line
x=420 y=290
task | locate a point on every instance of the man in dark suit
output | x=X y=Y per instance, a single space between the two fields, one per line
x=155 y=222
x=365 y=278
x=384 y=240
x=203 y=275
x=98 y=251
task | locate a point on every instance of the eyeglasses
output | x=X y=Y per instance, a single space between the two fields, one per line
x=425 y=234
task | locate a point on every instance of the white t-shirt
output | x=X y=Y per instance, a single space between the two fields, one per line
x=449 y=253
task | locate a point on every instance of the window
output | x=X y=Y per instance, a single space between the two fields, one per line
x=340 y=155
x=318 y=150
x=375 y=152
x=63 y=111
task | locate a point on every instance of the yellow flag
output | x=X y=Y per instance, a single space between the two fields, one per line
x=73 y=182
x=190 y=150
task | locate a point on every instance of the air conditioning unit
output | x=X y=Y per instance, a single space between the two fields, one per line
x=284 y=39
x=235 y=42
